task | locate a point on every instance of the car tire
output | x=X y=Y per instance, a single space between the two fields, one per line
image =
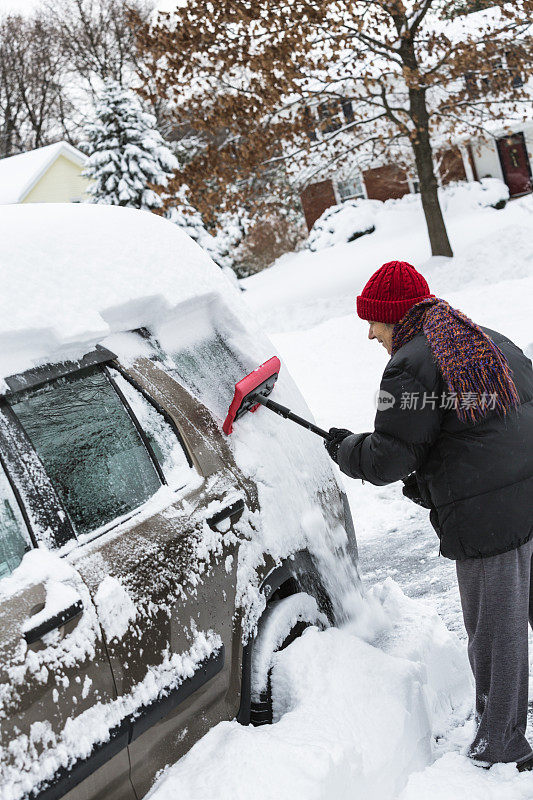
x=281 y=624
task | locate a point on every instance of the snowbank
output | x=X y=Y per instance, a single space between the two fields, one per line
x=416 y=632
x=303 y=289
x=454 y=776
x=343 y=223
x=459 y=197
x=354 y=717
x=349 y=220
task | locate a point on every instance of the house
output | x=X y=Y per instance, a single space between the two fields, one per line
x=506 y=154
x=50 y=174
x=504 y=151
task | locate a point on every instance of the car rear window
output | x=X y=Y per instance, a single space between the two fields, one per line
x=14 y=537
x=89 y=446
x=162 y=437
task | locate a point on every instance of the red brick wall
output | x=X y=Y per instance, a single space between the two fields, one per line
x=384 y=183
x=315 y=199
x=451 y=167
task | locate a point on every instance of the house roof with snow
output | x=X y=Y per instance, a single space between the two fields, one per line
x=20 y=174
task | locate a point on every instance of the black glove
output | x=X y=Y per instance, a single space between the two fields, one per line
x=411 y=490
x=336 y=436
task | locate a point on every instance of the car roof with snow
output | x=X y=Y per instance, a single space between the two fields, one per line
x=74 y=274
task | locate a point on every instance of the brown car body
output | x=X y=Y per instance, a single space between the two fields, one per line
x=154 y=554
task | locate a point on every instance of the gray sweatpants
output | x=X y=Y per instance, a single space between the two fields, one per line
x=497 y=600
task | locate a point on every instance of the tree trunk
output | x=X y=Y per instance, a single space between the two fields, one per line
x=438 y=235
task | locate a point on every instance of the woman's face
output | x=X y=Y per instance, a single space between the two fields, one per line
x=382 y=331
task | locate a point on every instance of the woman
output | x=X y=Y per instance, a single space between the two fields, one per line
x=455 y=422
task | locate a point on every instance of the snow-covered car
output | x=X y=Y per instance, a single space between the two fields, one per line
x=150 y=566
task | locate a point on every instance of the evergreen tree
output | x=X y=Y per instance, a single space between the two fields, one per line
x=189 y=219
x=223 y=242
x=129 y=161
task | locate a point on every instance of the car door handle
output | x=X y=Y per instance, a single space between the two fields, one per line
x=233 y=510
x=56 y=621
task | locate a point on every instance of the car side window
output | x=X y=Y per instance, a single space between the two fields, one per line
x=89 y=446
x=162 y=437
x=14 y=537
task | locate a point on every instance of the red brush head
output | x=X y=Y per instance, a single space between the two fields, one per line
x=260 y=381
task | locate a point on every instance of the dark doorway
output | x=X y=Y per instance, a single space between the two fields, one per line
x=515 y=163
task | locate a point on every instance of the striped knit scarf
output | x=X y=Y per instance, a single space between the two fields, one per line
x=474 y=368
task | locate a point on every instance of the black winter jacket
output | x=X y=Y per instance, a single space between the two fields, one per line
x=476 y=478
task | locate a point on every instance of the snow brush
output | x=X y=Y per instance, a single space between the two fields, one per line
x=253 y=390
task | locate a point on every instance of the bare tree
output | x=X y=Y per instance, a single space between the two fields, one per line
x=53 y=64
x=11 y=108
x=98 y=39
x=33 y=104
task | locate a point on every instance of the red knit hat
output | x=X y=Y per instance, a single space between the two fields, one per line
x=391 y=291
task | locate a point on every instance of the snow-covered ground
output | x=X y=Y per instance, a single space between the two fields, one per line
x=396 y=661
x=381 y=708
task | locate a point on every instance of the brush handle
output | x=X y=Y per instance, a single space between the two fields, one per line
x=287 y=413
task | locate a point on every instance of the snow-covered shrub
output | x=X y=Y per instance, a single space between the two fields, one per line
x=464 y=196
x=232 y=228
x=269 y=236
x=222 y=244
x=461 y=196
x=189 y=219
x=496 y=192
x=127 y=155
x=343 y=223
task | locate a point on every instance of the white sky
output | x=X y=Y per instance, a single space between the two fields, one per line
x=28 y=5
x=18 y=5
x=167 y=5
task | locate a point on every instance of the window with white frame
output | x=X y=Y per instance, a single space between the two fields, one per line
x=334 y=113
x=350 y=189
x=504 y=74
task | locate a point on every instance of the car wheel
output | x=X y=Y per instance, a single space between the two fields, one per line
x=281 y=623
